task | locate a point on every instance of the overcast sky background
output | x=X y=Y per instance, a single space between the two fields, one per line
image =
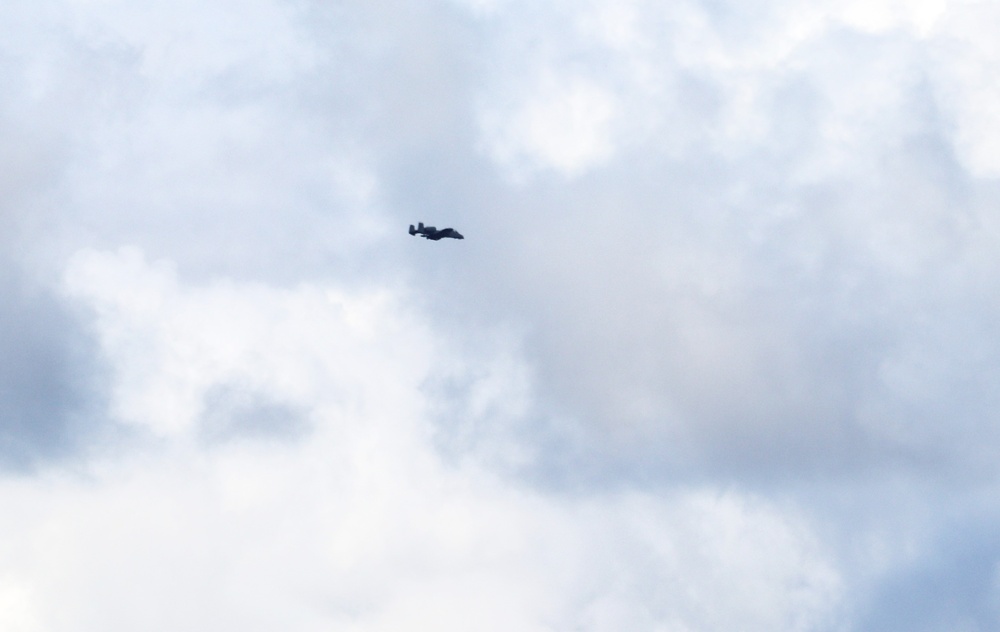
x=720 y=350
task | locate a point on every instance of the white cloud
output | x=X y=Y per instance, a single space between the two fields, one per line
x=359 y=524
x=965 y=56
x=166 y=543
x=184 y=45
x=706 y=243
x=169 y=347
x=681 y=79
x=16 y=609
x=566 y=124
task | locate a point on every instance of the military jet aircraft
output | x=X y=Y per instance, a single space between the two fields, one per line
x=429 y=232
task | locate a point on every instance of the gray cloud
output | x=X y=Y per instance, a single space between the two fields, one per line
x=232 y=412
x=753 y=302
x=953 y=584
x=50 y=378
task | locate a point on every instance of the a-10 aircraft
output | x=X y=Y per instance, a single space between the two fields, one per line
x=429 y=232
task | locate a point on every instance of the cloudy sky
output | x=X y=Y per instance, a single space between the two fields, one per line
x=720 y=350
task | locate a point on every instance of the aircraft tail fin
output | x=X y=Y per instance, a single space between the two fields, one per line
x=413 y=231
x=420 y=226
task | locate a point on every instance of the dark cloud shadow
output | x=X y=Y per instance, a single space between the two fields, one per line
x=234 y=412
x=952 y=586
x=51 y=377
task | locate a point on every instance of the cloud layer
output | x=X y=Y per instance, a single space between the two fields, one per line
x=360 y=523
x=719 y=350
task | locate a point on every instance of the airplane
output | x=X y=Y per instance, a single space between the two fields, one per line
x=429 y=232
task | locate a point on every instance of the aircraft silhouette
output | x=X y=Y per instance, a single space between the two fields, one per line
x=429 y=232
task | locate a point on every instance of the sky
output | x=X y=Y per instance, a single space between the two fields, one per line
x=719 y=351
